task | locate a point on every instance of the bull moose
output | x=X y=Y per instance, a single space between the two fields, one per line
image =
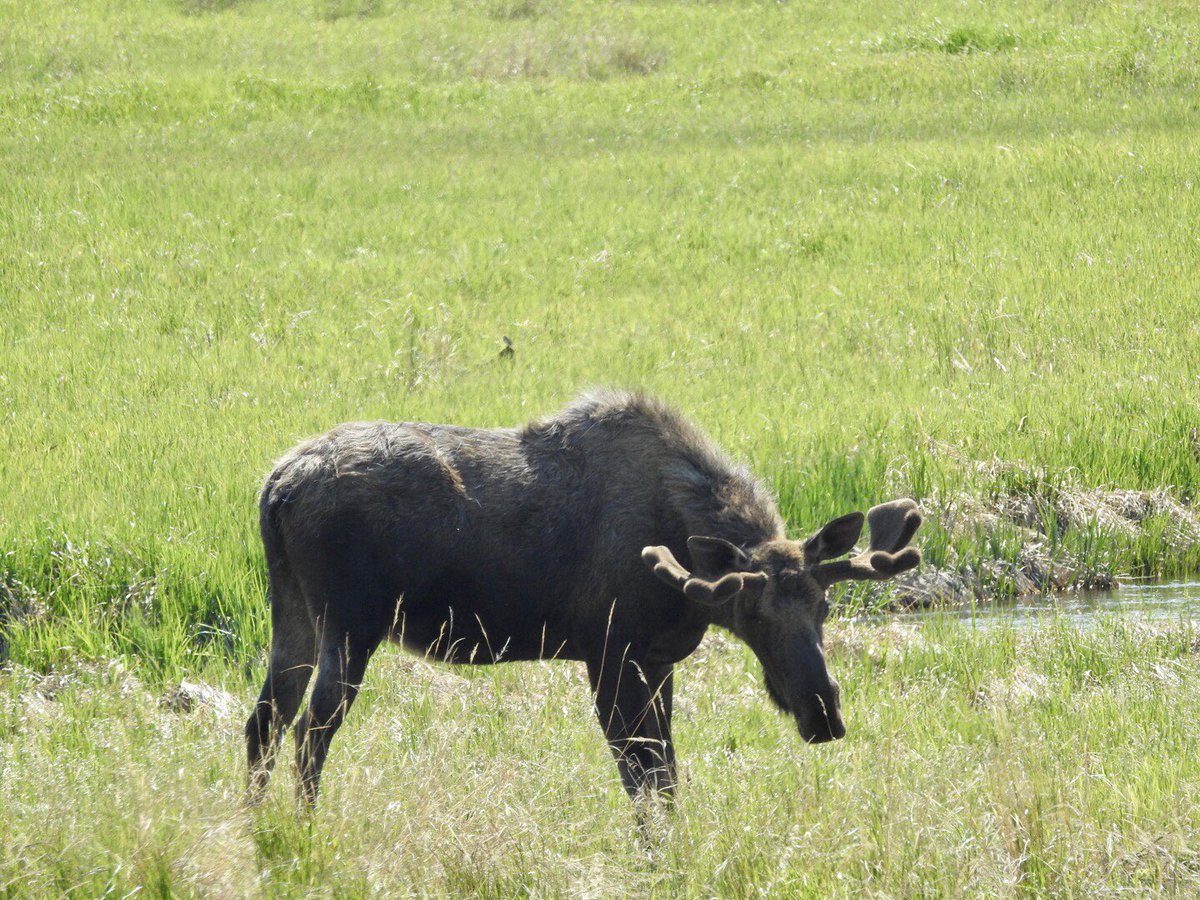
x=614 y=532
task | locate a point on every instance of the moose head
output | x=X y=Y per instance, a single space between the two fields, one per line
x=772 y=596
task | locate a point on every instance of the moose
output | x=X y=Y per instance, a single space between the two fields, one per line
x=614 y=532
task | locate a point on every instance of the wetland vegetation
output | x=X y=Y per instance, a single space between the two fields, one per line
x=940 y=249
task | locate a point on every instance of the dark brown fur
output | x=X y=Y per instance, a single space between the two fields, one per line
x=483 y=546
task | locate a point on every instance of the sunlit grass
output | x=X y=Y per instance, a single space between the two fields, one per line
x=229 y=226
x=876 y=250
x=981 y=761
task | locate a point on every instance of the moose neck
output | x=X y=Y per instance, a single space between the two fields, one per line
x=732 y=505
x=737 y=508
x=721 y=615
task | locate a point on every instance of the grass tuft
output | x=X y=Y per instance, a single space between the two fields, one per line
x=203 y=7
x=333 y=10
x=961 y=41
x=596 y=55
x=516 y=10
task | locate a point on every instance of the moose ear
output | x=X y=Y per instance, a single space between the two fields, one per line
x=892 y=527
x=712 y=556
x=834 y=539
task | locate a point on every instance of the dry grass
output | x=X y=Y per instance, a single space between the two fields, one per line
x=595 y=55
x=962 y=773
x=517 y=10
x=203 y=7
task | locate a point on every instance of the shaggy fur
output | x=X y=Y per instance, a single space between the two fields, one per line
x=484 y=546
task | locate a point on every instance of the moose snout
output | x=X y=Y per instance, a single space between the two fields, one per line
x=823 y=730
x=820 y=719
x=815 y=705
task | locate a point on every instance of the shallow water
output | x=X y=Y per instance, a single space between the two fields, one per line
x=1152 y=600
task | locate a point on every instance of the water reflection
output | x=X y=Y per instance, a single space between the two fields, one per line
x=1171 y=600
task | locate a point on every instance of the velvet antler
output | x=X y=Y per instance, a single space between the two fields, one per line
x=663 y=563
x=892 y=526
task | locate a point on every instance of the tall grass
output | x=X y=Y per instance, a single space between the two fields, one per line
x=875 y=249
x=231 y=225
x=981 y=762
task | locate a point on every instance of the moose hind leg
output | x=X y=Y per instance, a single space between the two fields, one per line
x=293 y=655
x=339 y=676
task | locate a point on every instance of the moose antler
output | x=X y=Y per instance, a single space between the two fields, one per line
x=892 y=526
x=699 y=590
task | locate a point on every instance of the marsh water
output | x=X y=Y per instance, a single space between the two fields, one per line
x=1148 y=600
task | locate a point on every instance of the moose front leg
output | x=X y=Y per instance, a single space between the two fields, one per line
x=662 y=686
x=633 y=703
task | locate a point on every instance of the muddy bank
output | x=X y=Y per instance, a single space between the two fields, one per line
x=1037 y=537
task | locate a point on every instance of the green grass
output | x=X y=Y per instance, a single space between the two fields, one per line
x=843 y=237
x=837 y=237
x=1057 y=761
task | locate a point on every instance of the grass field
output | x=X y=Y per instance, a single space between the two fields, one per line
x=873 y=248
x=978 y=763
